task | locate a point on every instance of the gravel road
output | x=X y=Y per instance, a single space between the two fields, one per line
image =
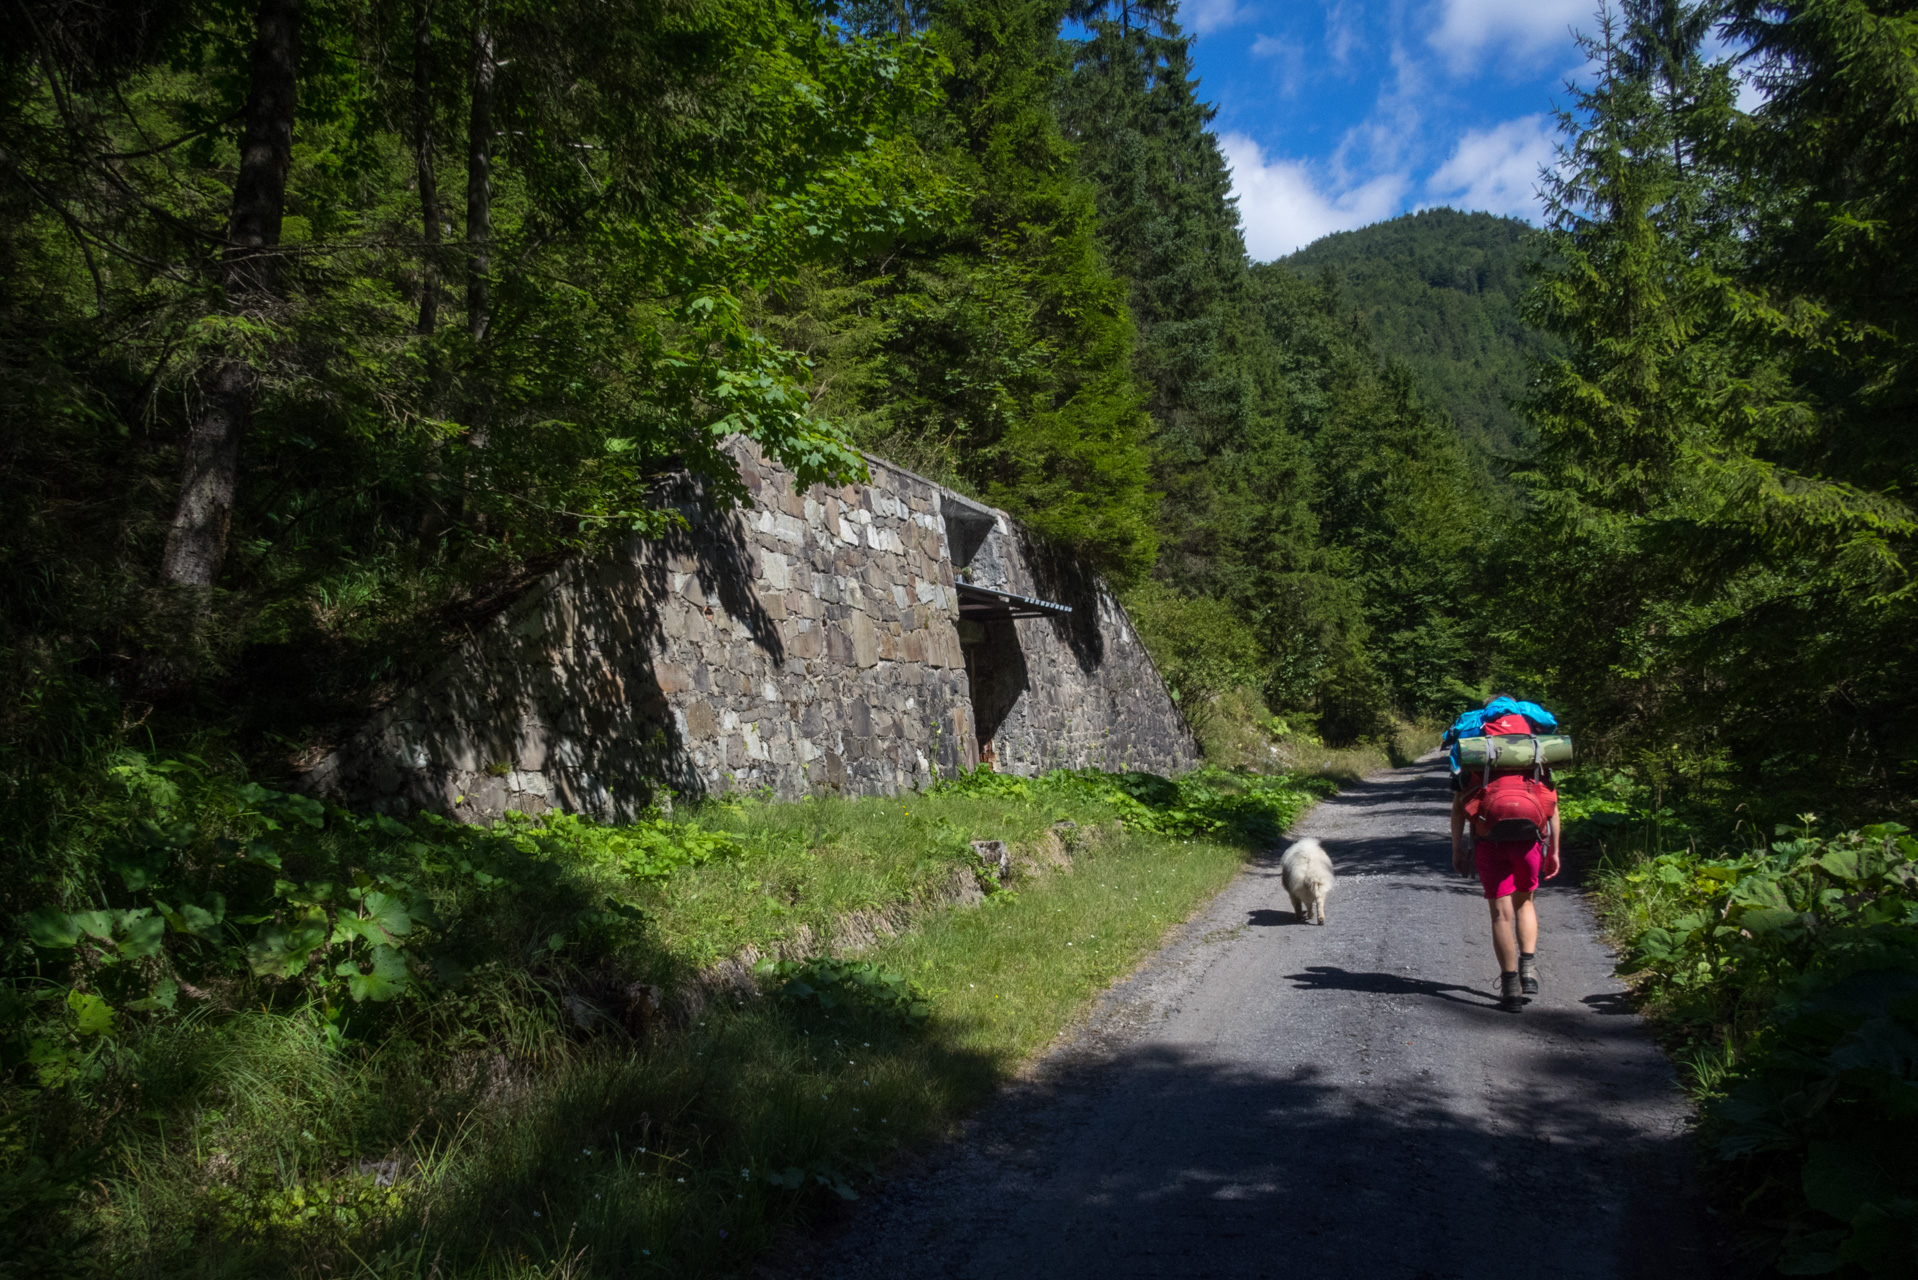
x=1265 y=1098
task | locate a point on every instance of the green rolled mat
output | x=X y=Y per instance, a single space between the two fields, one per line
x=1515 y=750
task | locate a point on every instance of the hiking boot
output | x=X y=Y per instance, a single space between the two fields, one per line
x=1511 y=994
x=1528 y=974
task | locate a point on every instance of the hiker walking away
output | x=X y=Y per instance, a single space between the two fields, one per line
x=1510 y=804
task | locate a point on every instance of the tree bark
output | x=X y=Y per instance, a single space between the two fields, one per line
x=479 y=229
x=479 y=177
x=423 y=159
x=209 y=481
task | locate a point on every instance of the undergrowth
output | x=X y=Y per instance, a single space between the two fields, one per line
x=250 y=1034
x=1238 y=731
x=1782 y=973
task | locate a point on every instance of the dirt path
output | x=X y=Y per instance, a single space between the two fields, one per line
x=1273 y=1099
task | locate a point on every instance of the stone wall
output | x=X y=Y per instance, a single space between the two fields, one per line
x=811 y=644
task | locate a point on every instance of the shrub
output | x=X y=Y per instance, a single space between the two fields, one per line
x=1801 y=955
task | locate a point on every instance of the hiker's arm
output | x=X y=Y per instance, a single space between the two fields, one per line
x=1551 y=848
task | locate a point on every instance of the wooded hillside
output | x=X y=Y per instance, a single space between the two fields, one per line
x=1441 y=290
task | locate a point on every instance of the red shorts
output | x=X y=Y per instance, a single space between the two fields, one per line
x=1508 y=866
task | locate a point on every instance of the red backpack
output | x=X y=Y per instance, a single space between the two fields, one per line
x=1510 y=804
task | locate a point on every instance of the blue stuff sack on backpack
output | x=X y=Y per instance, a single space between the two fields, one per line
x=1468 y=725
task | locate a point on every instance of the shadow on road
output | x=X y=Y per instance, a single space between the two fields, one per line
x=1195 y=1167
x=1321 y=977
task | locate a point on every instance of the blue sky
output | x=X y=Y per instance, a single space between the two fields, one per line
x=1338 y=113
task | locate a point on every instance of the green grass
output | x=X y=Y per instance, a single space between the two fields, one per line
x=483 y=1132
x=1007 y=978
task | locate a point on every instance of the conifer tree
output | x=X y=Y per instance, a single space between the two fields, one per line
x=995 y=354
x=1718 y=494
x=1223 y=458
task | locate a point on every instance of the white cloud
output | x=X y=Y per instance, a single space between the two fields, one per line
x=1392 y=136
x=1342 y=34
x=1205 y=16
x=1497 y=169
x=1287 y=59
x=1525 y=29
x=1282 y=207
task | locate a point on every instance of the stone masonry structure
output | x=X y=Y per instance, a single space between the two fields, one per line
x=812 y=644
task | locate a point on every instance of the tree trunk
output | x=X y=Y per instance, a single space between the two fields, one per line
x=423 y=159
x=479 y=230
x=479 y=178
x=431 y=516
x=209 y=482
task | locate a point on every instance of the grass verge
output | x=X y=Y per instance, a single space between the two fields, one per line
x=504 y=1119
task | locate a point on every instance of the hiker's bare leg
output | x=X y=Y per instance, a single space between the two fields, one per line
x=1504 y=942
x=1525 y=915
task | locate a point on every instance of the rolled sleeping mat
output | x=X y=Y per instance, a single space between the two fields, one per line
x=1515 y=750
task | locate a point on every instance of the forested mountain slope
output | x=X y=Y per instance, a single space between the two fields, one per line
x=1440 y=289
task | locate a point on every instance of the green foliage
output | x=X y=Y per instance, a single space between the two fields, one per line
x=858 y=985
x=993 y=350
x=211 y=885
x=1379 y=615
x=1202 y=649
x=649 y=849
x=1803 y=954
x=652 y=166
x=1249 y=808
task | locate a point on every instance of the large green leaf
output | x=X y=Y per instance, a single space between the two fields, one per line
x=1884 y=1238
x=386 y=979
x=388 y=913
x=92 y=1016
x=165 y=994
x=1761 y=920
x=383 y=920
x=1843 y=1175
x=281 y=950
x=1842 y=864
x=52 y=929
x=96 y=924
x=1761 y=891
x=203 y=921
x=141 y=933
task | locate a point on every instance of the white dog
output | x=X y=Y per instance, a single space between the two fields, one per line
x=1307 y=869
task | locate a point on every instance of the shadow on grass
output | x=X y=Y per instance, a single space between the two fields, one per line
x=682 y=1157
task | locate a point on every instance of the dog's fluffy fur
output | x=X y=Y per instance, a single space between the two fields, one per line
x=1307 y=870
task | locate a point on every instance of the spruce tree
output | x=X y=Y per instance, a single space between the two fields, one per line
x=1227 y=468
x=1719 y=494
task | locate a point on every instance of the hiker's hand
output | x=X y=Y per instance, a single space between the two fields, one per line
x=1460 y=863
x=1549 y=866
